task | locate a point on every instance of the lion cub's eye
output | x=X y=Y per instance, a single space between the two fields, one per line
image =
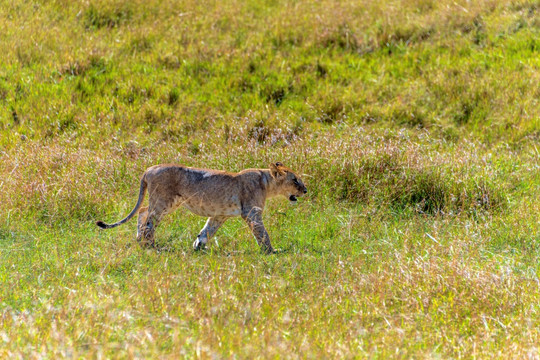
x=295 y=181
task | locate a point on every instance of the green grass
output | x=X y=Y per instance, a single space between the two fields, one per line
x=414 y=124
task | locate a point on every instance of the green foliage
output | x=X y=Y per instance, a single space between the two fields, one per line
x=414 y=124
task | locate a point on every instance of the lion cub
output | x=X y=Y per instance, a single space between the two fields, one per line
x=215 y=194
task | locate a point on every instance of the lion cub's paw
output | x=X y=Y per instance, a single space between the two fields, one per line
x=198 y=245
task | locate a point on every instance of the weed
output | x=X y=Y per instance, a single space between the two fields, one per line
x=174 y=95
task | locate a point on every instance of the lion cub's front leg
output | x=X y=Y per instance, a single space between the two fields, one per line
x=209 y=230
x=253 y=217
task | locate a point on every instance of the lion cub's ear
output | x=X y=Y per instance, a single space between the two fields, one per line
x=276 y=169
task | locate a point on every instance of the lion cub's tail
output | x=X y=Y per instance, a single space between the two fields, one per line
x=142 y=192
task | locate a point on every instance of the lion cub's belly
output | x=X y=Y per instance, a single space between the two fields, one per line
x=207 y=208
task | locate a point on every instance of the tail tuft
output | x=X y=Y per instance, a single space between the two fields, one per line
x=101 y=224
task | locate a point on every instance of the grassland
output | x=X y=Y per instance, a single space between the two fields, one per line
x=415 y=124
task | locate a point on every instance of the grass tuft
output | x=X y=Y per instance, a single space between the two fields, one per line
x=107 y=15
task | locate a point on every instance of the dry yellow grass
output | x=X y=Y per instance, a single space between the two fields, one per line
x=414 y=123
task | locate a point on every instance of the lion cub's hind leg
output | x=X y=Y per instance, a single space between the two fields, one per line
x=150 y=218
x=141 y=222
x=208 y=231
x=146 y=228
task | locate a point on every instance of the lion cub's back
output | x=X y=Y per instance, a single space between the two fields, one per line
x=214 y=191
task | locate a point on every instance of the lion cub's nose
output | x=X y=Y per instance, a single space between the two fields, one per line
x=305 y=191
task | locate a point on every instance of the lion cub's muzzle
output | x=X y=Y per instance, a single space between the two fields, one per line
x=301 y=192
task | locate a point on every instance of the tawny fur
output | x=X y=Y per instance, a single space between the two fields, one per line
x=215 y=194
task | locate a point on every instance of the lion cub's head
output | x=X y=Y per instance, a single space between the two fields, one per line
x=287 y=182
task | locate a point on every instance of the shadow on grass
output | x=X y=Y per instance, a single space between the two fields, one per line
x=172 y=246
x=229 y=253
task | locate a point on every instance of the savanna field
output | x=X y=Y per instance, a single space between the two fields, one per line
x=415 y=125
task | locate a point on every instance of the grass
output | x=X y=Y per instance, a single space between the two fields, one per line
x=414 y=124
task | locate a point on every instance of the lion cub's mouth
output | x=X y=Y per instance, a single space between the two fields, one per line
x=293 y=199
